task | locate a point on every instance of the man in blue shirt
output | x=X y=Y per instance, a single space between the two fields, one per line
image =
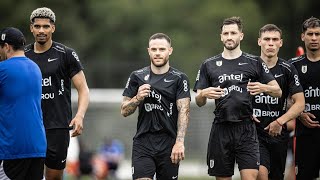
x=22 y=136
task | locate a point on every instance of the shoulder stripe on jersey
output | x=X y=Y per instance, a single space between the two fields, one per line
x=59 y=49
x=297 y=59
x=285 y=65
x=27 y=50
x=250 y=56
x=173 y=72
x=141 y=71
x=213 y=58
x=28 y=47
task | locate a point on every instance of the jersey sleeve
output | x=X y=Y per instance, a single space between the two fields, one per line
x=202 y=80
x=132 y=86
x=2 y=75
x=73 y=63
x=183 y=89
x=264 y=74
x=294 y=82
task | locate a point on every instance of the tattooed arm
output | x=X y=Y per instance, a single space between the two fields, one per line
x=177 y=153
x=129 y=105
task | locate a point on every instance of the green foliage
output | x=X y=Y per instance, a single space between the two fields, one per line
x=111 y=36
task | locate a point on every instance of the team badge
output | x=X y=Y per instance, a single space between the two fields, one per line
x=218 y=63
x=146 y=77
x=304 y=68
x=211 y=163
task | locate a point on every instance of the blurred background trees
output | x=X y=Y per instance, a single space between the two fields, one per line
x=111 y=36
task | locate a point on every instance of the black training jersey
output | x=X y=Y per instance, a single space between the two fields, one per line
x=158 y=111
x=58 y=65
x=310 y=81
x=233 y=76
x=268 y=108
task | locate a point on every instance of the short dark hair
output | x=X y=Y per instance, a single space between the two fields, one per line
x=268 y=28
x=310 y=23
x=233 y=20
x=160 y=36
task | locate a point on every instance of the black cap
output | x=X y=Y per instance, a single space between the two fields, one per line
x=12 y=36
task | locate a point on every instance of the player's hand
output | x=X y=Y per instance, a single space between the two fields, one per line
x=254 y=118
x=177 y=153
x=306 y=119
x=143 y=91
x=212 y=92
x=274 y=128
x=77 y=124
x=255 y=88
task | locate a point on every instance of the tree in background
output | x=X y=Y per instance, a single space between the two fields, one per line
x=108 y=35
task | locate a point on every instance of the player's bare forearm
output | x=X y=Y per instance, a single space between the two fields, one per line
x=200 y=99
x=273 y=89
x=129 y=106
x=295 y=110
x=80 y=84
x=83 y=101
x=183 y=106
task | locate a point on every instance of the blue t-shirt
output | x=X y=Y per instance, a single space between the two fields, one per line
x=22 y=132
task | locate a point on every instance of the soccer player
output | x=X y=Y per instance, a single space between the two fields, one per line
x=270 y=112
x=307 y=157
x=162 y=94
x=231 y=78
x=60 y=65
x=22 y=136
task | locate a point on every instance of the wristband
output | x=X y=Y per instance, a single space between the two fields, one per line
x=279 y=123
x=137 y=98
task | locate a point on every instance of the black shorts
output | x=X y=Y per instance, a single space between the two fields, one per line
x=151 y=154
x=57 y=148
x=307 y=157
x=22 y=169
x=229 y=143
x=273 y=157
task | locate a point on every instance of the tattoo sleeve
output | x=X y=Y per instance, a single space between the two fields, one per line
x=129 y=106
x=183 y=106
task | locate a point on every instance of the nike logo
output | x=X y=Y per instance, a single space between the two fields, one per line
x=174 y=177
x=240 y=64
x=50 y=60
x=166 y=80
x=278 y=75
x=63 y=161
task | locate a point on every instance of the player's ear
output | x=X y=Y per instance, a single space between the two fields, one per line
x=53 y=28
x=170 y=50
x=241 y=36
x=259 y=41
x=148 y=49
x=302 y=36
